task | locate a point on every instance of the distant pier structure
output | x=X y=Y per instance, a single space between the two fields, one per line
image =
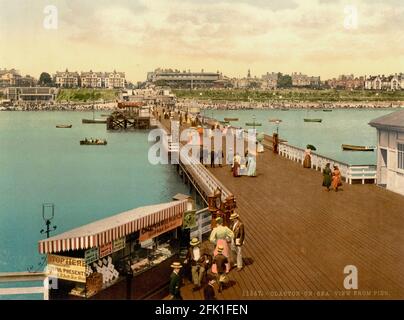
x=130 y=115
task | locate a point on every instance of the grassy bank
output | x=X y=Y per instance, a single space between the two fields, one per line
x=87 y=95
x=293 y=95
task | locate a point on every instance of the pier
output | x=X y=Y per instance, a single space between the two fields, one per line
x=130 y=115
x=299 y=238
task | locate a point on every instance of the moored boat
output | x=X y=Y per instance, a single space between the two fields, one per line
x=230 y=119
x=93 y=142
x=349 y=147
x=275 y=120
x=93 y=120
x=64 y=126
x=327 y=110
x=312 y=120
x=253 y=124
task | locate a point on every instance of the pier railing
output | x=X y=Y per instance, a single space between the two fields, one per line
x=203 y=224
x=349 y=172
x=204 y=182
x=25 y=277
x=202 y=177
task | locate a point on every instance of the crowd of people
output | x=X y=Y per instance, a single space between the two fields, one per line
x=211 y=265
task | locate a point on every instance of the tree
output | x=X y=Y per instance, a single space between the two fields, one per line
x=284 y=81
x=45 y=79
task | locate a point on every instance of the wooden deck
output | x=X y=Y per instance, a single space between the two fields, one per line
x=300 y=237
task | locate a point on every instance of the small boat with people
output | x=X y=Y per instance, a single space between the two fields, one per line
x=93 y=142
x=312 y=120
x=230 y=119
x=64 y=126
x=349 y=147
x=275 y=120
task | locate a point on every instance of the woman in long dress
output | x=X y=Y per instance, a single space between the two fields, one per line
x=336 y=178
x=307 y=158
x=220 y=236
x=251 y=166
x=327 y=177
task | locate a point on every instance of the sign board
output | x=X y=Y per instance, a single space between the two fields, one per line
x=189 y=219
x=118 y=244
x=91 y=255
x=66 y=268
x=105 y=250
x=161 y=227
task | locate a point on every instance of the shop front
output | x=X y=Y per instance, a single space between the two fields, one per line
x=126 y=256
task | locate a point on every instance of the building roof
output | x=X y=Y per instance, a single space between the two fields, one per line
x=106 y=230
x=391 y=120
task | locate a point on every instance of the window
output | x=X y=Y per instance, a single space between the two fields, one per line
x=400 y=153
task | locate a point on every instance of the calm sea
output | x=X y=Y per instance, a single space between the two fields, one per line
x=42 y=164
x=343 y=126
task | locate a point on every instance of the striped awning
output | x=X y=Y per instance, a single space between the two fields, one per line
x=109 y=229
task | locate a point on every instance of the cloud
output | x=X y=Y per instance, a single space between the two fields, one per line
x=233 y=33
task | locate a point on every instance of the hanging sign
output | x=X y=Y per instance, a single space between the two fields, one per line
x=105 y=250
x=118 y=244
x=66 y=268
x=91 y=255
x=161 y=227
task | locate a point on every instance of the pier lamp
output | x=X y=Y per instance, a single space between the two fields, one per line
x=48 y=217
x=277 y=126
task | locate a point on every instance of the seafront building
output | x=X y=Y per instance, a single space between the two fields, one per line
x=382 y=82
x=31 y=94
x=110 y=80
x=67 y=79
x=183 y=79
x=346 y=82
x=13 y=78
x=390 y=155
x=303 y=80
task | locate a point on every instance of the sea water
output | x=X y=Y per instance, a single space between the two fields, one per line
x=42 y=164
x=342 y=126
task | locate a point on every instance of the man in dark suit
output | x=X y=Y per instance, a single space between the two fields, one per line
x=238 y=240
x=220 y=260
x=175 y=282
x=209 y=290
x=198 y=261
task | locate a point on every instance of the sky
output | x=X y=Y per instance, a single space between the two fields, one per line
x=315 y=37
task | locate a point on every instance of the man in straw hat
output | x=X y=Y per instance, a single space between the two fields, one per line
x=198 y=261
x=238 y=240
x=220 y=261
x=175 y=282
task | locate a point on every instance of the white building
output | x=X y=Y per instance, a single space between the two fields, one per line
x=67 y=79
x=92 y=79
x=114 y=80
x=392 y=82
x=390 y=151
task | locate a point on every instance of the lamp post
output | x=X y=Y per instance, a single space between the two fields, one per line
x=48 y=219
x=277 y=126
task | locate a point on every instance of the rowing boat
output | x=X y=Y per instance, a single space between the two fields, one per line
x=230 y=119
x=313 y=120
x=64 y=126
x=349 y=147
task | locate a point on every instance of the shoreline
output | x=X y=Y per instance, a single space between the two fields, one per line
x=208 y=105
x=241 y=105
